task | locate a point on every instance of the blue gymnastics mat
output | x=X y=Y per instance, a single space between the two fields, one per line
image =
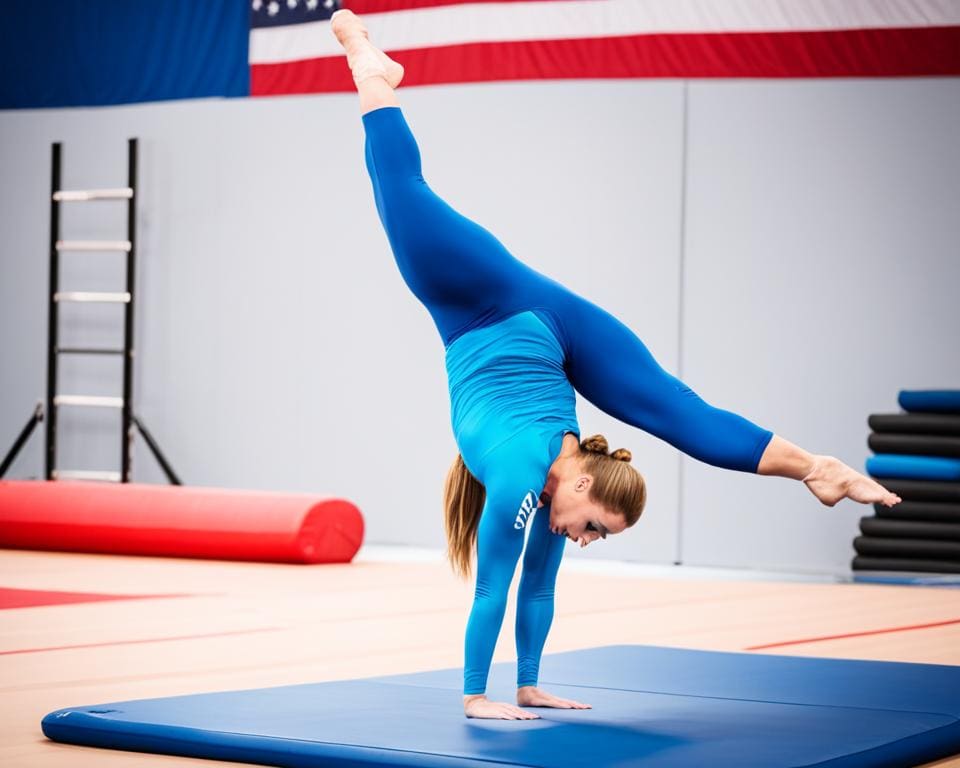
x=657 y=707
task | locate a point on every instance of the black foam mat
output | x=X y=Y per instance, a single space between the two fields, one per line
x=874 y=546
x=922 y=490
x=915 y=423
x=908 y=529
x=918 y=565
x=917 y=445
x=929 y=511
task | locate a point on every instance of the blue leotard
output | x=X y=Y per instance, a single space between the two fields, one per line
x=517 y=345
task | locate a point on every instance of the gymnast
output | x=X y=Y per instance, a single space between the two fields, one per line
x=517 y=346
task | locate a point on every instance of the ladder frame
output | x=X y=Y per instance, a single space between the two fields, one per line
x=129 y=421
x=53 y=329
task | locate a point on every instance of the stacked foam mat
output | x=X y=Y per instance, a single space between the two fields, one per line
x=918 y=458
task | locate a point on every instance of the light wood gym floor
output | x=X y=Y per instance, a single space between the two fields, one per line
x=209 y=626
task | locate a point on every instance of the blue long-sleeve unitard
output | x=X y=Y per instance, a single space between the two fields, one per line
x=517 y=345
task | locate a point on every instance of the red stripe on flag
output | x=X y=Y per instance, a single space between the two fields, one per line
x=910 y=52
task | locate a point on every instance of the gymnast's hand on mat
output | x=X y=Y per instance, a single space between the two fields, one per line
x=531 y=696
x=831 y=480
x=480 y=706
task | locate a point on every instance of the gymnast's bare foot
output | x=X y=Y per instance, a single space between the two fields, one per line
x=364 y=58
x=831 y=480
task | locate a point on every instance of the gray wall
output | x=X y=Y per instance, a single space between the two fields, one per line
x=821 y=277
x=785 y=247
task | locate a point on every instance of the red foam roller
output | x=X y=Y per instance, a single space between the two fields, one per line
x=177 y=521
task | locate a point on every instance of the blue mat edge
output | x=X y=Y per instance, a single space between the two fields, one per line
x=919 y=748
x=912 y=751
x=86 y=729
x=89 y=731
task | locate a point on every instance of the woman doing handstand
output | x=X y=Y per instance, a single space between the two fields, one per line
x=517 y=346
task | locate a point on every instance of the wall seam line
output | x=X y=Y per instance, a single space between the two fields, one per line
x=681 y=272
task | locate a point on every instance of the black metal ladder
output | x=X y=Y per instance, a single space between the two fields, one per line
x=55 y=399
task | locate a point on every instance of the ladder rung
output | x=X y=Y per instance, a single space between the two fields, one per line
x=94 y=245
x=108 y=298
x=88 y=351
x=83 y=474
x=94 y=401
x=83 y=195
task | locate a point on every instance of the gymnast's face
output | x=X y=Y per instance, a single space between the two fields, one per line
x=573 y=514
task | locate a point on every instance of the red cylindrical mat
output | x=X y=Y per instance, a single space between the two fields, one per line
x=177 y=521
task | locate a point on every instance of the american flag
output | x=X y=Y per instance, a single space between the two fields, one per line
x=97 y=52
x=443 y=41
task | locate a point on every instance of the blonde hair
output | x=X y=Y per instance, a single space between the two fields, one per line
x=617 y=486
x=463 y=498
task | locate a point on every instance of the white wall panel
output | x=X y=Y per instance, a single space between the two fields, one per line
x=821 y=278
x=278 y=346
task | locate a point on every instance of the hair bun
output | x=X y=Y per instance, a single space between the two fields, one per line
x=599 y=444
x=596 y=444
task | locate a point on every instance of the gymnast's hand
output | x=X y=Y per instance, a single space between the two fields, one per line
x=531 y=696
x=479 y=706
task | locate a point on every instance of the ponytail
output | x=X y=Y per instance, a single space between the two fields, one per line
x=463 y=498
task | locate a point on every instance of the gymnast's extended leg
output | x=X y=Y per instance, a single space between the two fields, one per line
x=614 y=370
x=458 y=269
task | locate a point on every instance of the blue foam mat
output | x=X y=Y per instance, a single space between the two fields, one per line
x=930 y=400
x=662 y=707
x=913 y=467
x=907 y=578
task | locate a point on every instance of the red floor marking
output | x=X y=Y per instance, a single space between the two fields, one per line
x=853 y=634
x=28 y=598
x=137 y=642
